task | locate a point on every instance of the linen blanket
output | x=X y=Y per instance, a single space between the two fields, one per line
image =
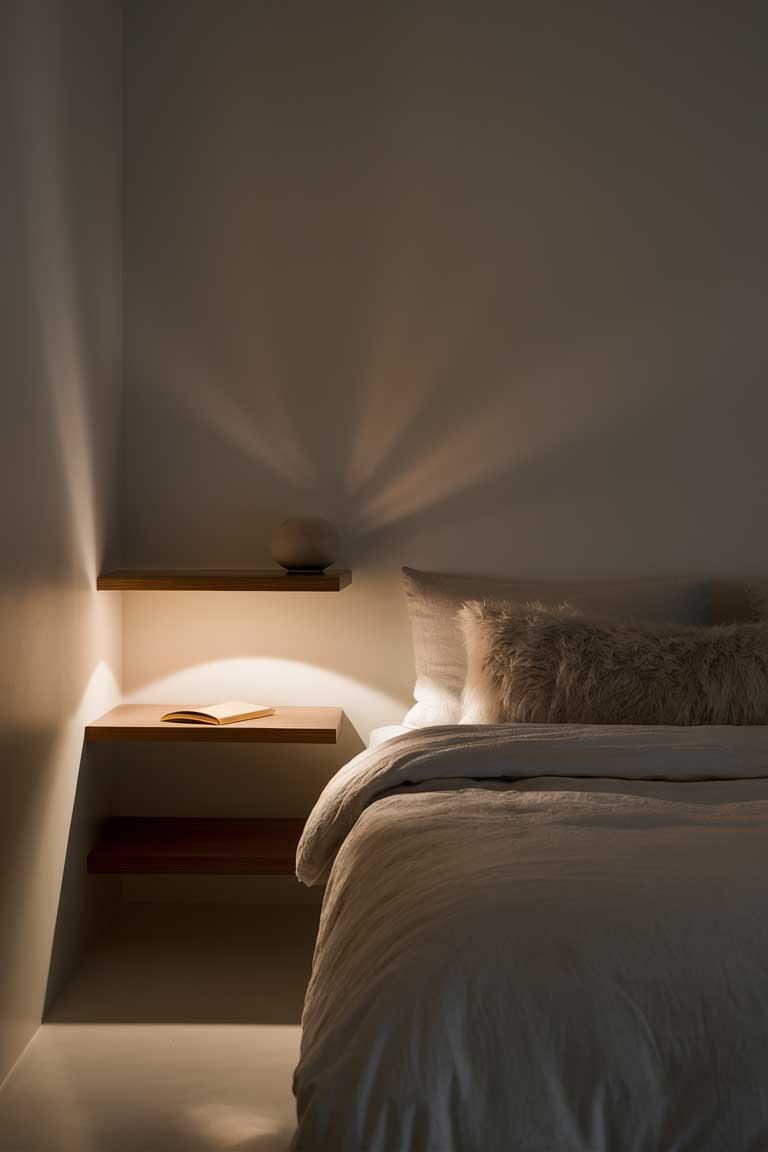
x=540 y=939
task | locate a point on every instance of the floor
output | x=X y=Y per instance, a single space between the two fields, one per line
x=178 y=1032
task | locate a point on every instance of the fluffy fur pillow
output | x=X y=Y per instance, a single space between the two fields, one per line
x=434 y=598
x=533 y=664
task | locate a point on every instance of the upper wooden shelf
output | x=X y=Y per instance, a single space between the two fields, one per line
x=223 y=580
x=285 y=726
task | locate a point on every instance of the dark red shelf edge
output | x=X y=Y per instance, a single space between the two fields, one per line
x=95 y=733
x=123 y=580
x=122 y=856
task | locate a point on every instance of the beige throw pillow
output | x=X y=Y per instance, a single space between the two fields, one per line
x=533 y=664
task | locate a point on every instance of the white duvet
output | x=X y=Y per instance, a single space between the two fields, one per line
x=540 y=939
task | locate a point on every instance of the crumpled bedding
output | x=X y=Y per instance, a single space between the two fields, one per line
x=540 y=939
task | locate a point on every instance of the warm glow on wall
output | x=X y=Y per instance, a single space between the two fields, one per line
x=266 y=680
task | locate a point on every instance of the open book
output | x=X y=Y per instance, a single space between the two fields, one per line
x=228 y=713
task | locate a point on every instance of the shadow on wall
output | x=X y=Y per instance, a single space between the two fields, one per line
x=80 y=903
x=434 y=461
x=164 y=963
x=446 y=292
x=59 y=334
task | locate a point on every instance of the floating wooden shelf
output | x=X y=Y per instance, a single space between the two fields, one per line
x=285 y=726
x=217 y=580
x=216 y=847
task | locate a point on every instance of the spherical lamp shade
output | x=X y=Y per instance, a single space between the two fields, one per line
x=305 y=544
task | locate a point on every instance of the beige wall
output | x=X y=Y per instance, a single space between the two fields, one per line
x=60 y=324
x=483 y=283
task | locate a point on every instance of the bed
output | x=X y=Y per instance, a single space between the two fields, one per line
x=540 y=938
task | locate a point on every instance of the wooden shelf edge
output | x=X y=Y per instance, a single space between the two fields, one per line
x=199 y=847
x=221 y=580
x=288 y=725
x=205 y=735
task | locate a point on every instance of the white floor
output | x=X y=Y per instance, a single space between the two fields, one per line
x=179 y=1032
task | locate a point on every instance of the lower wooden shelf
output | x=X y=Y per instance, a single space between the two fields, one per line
x=217 y=847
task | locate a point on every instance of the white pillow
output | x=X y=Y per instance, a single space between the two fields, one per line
x=380 y=736
x=435 y=598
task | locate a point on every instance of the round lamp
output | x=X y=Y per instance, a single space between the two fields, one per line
x=305 y=544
